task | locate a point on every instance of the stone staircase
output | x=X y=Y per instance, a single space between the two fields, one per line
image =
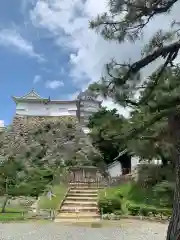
x=80 y=205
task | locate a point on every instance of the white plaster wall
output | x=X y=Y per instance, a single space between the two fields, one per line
x=89 y=106
x=52 y=109
x=115 y=170
x=134 y=162
x=157 y=161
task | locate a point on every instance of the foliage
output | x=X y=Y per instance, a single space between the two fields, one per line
x=109 y=204
x=18 y=180
x=104 y=126
x=164 y=190
x=158 y=93
x=9 y=217
x=151 y=174
x=157 y=96
x=146 y=210
x=140 y=196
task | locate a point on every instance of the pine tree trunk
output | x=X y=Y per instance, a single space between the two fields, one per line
x=3 y=210
x=173 y=232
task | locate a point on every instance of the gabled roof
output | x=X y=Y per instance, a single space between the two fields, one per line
x=120 y=154
x=113 y=164
x=32 y=95
x=116 y=158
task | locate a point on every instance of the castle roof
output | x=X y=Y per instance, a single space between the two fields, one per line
x=87 y=95
x=33 y=96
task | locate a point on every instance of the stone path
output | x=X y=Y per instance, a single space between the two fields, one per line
x=135 y=230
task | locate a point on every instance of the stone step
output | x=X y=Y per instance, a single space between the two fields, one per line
x=80 y=204
x=82 y=194
x=85 y=184
x=81 y=198
x=65 y=208
x=80 y=190
x=78 y=215
x=85 y=187
x=75 y=220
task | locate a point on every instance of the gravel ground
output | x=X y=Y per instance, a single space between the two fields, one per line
x=135 y=230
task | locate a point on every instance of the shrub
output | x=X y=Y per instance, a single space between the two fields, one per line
x=117 y=212
x=164 y=191
x=109 y=204
x=135 y=210
x=151 y=174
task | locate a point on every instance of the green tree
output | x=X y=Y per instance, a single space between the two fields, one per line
x=18 y=180
x=126 y=20
x=104 y=126
x=10 y=171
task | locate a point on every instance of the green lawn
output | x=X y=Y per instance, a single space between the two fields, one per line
x=46 y=203
x=14 y=210
x=11 y=216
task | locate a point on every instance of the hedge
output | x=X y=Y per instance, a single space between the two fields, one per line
x=135 y=210
x=109 y=204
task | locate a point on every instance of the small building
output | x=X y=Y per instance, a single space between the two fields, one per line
x=121 y=164
x=115 y=169
x=125 y=162
x=32 y=104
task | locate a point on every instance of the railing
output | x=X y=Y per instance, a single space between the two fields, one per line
x=96 y=181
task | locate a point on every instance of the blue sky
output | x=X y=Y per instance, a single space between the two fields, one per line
x=38 y=50
x=47 y=45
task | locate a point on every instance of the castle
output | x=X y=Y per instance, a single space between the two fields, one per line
x=32 y=104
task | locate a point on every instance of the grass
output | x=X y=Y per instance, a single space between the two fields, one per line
x=13 y=216
x=14 y=210
x=45 y=203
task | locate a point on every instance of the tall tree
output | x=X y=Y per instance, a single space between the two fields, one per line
x=104 y=125
x=126 y=20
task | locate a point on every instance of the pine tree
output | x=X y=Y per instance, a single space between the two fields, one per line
x=126 y=21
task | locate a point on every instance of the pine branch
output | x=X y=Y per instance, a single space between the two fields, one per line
x=135 y=132
x=161 y=52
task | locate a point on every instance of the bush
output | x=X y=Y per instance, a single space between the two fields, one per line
x=109 y=204
x=151 y=174
x=135 y=210
x=164 y=191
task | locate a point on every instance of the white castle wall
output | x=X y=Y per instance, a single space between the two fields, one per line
x=50 y=109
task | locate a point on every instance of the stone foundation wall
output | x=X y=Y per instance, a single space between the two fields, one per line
x=22 y=123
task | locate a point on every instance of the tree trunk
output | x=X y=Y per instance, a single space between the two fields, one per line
x=174 y=225
x=3 y=210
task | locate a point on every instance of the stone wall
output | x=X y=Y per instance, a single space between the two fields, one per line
x=21 y=126
x=22 y=123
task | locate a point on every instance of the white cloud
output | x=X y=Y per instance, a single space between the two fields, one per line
x=11 y=38
x=110 y=105
x=1 y=123
x=37 y=79
x=88 y=50
x=54 y=84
